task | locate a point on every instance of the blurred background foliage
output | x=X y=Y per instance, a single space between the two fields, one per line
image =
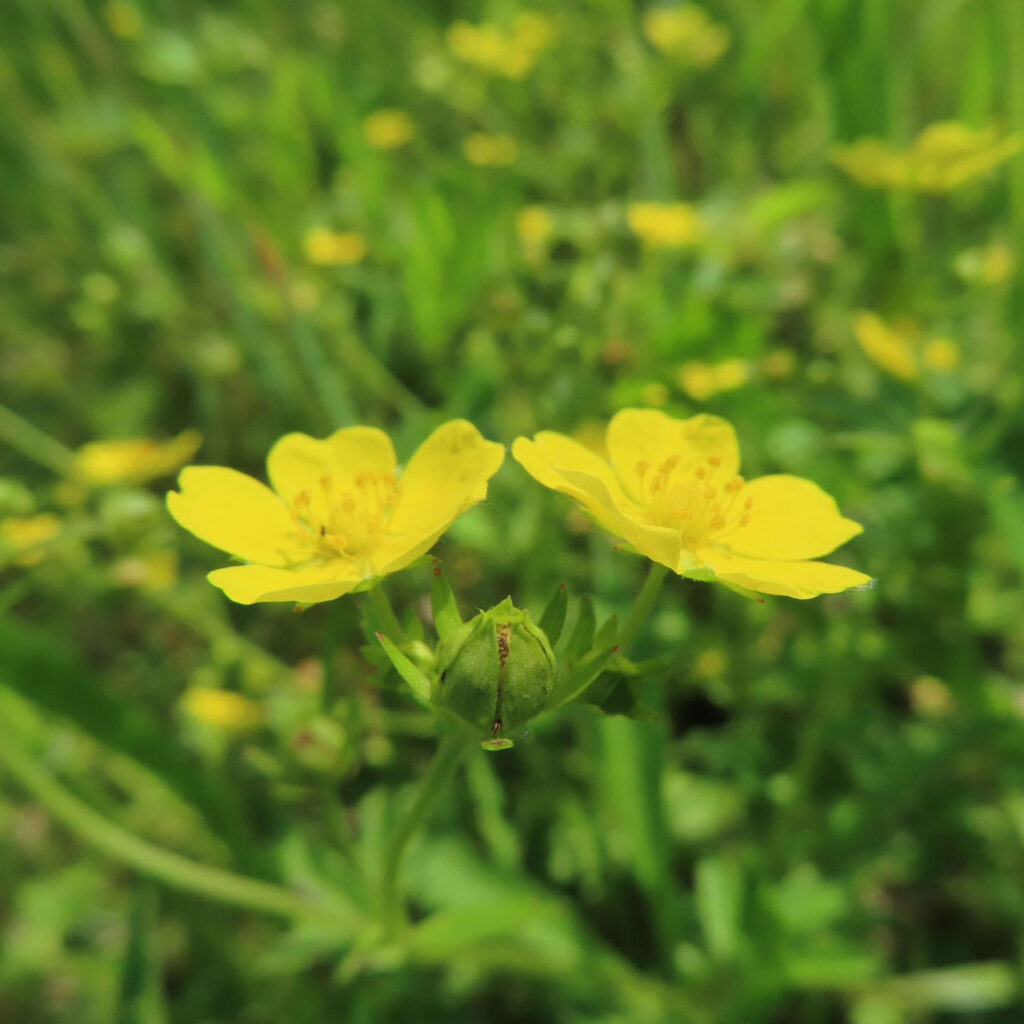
x=251 y=218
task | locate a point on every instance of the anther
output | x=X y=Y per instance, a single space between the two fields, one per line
x=714 y=460
x=734 y=485
x=749 y=503
x=718 y=522
x=642 y=467
x=669 y=464
x=702 y=473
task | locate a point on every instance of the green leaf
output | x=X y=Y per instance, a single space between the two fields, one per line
x=719 y=896
x=140 y=1000
x=582 y=638
x=605 y=636
x=447 y=620
x=418 y=682
x=581 y=677
x=553 y=618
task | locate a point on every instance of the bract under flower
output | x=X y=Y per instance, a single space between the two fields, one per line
x=672 y=490
x=339 y=514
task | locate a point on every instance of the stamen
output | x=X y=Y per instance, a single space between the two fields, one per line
x=702 y=473
x=714 y=460
x=642 y=467
x=735 y=485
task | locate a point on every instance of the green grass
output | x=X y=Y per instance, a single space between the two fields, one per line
x=799 y=837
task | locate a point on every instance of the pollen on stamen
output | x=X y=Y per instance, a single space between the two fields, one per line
x=642 y=467
x=702 y=473
x=718 y=522
x=669 y=464
x=734 y=485
x=714 y=460
x=749 y=503
x=326 y=482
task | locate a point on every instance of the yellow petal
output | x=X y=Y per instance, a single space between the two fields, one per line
x=886 y=347
x=785 y=578
x=446 y=475
x=649 y=436
x=791 y=518
x=235 y=513
x=248 y=584
x=564 y=465
x=298 y=462
x=134 y=461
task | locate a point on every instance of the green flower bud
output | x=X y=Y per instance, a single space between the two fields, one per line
x=496 y=671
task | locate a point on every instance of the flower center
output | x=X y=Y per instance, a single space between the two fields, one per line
x=346 y=524
x=699 y=503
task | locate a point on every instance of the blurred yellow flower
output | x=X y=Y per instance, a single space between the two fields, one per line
x=710 y=664
x=931 y=697
x=666 y=225
x=778 y=364
x=991 y=265
x=892 y=350
x=133 y=461
x=511 y=52
x=490 y=150
x=326 y=248
x=702 y=381
x=389 y=129
x=900 y=352
x=941 y=355
x=154 y=571
x=944 y=156
x=23 y=537
x=686 y=33
x=222 y=709
x=123 y=19
x=672 y=491
x=534 y=226
x=339 y=515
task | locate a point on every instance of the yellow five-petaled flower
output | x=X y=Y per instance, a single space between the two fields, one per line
x=673 y=491
x=339 y=514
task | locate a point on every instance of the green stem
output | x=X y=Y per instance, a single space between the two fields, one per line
x=33 y=443
x=449 y=753
x=121 y=845
x=642 y=606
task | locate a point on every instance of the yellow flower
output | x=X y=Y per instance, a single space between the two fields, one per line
x=326 y=248
x=702 y=381
x=672 y=491
x=941 y=355
x=134 y=461
x=686 y=33
x=389 y=129
x=666 y=225
x=223 y=709
x=992 y=265
x=23 y=536
x=490 y=150
x=534 y=226
x=154 y=571
x=944 y=156
x=338 y=514
x=892 y=350
x=123 y=19
x=511 y=52
x=900 y=352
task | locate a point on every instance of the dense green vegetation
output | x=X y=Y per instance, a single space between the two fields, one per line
x=810 y=811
